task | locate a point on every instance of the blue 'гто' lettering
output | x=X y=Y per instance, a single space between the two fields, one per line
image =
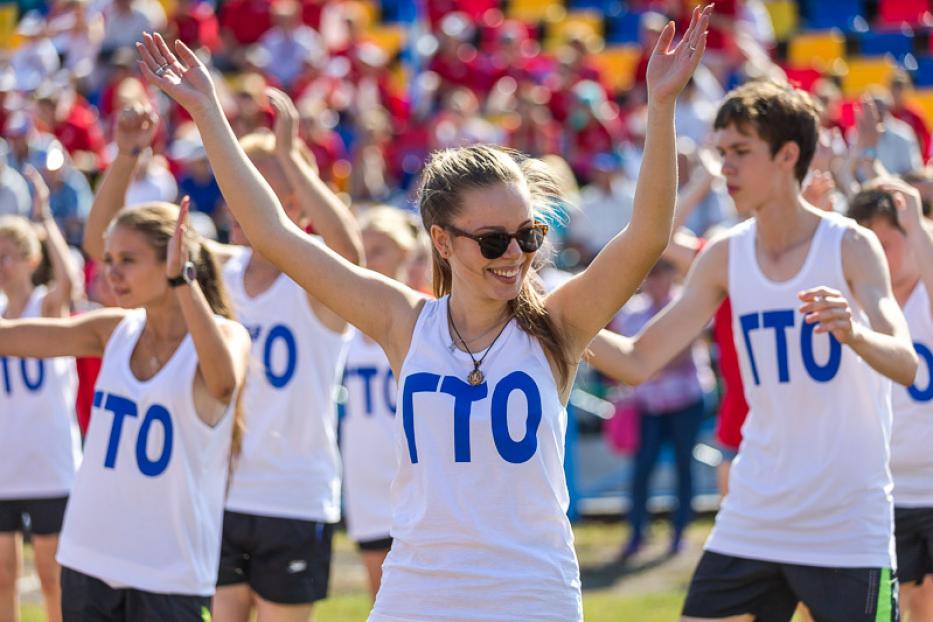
x=122 y=408
x=465 y=395
x=779 y=321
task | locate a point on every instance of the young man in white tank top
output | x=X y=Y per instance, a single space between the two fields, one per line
x=808 y=517
x=284 y=495
x=893 y=211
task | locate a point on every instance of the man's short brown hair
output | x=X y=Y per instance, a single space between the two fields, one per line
x=778 y=113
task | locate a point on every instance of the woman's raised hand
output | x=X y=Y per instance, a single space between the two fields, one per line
x=177 y=252
x=184 y=77
x=135 y=128
x=670 y=69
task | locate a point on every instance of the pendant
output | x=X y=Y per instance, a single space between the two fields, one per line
x=475 y=377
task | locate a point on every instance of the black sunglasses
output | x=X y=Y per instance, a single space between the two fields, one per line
x=494 y=244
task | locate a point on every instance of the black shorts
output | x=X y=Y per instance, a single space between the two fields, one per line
x=41 y=517
x=86 y=599
x=284 y=560
x=724 y=585
x=913 y=534
x=375 y=544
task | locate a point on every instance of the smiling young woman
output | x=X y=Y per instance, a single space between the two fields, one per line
x=479 y=498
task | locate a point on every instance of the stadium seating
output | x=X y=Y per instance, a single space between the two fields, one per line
x=816 y=49
x=842 y=14
x=877 y=43
x=622 y=27
x=865 y=72
x=784 y=18
x=8 y=17
x=923 y=74
x=536 y=11
x=618 y=65
x=895 y=12
x=586 y=24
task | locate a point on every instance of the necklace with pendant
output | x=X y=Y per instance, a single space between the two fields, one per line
x=476 y=376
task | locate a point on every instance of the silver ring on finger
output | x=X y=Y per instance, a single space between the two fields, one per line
x=693 y=49
x=161 y=69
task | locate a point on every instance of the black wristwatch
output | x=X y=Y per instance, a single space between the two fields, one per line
x=188 y=275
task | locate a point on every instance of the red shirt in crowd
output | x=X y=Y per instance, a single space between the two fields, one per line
x=247 y=20
x=912 y=117
x=198 y=27
x=732 y=408
x=80 y=131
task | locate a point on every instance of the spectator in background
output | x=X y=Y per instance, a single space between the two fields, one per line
x=456 y=61
x=251 y=111
x=459 y=122
x=649 y=29
x=289 y=43
x=152 y=181
x=77 y=32
x=593 y=127
x=902 y=109
x=694 y=114
x=898 y=149
x=316 y=128
x=70 y=194
x=242 y=23
x=27 y=145
x=35 y=59
x=125 y=21
x=7 y=85
x=531 y=128
x=197 y=179
x=194 y=22
x=671 y=407
x=606 y=206
x=14 y=191
x=62 y=111
x=122 y=68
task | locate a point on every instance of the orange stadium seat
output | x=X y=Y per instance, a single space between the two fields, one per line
x=819 y=49
x=865 y=72
x=8 y=38
x=390 y=38
x=586 y=23
x=536 y=11
x=923 y=99
x=784 y=18
x=618 y=64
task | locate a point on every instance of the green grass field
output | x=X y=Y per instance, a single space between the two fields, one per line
x=650 y=589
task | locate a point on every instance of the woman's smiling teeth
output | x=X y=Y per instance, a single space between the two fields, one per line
x=507 y=274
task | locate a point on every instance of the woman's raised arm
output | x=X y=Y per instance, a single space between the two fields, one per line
x=381 y=308
x=587 y=302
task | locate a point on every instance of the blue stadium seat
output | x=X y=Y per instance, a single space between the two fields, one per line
x=896 y=43
x=823 y=14
x=622 y=27
x=923 y=75
x=397 y=11
x=609 y=7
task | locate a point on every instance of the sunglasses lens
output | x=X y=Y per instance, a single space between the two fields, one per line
x=494 y=245
x=530 y=239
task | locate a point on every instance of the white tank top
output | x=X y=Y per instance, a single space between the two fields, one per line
x=912 y=439
x=147 y=504
x=40 y=443
x=811 y=483
x=367 y=440
x=479 y=502
x=290 y=464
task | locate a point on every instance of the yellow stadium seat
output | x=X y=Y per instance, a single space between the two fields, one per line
x=367 y=10
x=8 y=38
x=586 y=24
x=536 y=11
x=618 y=65
x=923 y=99
x=816 y=49
x=783 y=18
x=865 y=72
x=390 y=38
